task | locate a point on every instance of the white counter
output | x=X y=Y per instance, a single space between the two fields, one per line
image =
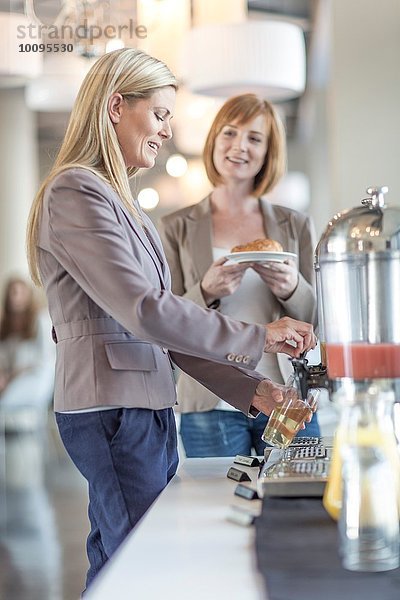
x=185 y=548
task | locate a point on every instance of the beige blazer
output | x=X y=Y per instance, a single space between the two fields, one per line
x=187 y=241
x=116 y=322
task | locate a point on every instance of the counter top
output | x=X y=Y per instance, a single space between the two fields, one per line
x=185 y=547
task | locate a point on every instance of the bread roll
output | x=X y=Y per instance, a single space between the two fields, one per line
x=261 y=245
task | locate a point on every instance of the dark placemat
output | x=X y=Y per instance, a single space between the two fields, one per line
x=296 y=546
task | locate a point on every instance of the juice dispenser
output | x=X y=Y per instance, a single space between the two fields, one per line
x=357 y=266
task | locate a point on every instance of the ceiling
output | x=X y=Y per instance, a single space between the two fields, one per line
x=303 y=12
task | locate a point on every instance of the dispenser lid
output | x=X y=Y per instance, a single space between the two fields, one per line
x=371 y=227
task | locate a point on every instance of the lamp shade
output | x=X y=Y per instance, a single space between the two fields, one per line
x=16 y=66
x=264 y=57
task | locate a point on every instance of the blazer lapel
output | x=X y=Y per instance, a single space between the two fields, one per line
x=152 y=236
x=199 y=228
x=277 y=225
x=148 y=243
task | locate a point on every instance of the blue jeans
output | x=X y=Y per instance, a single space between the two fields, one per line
x=227 y=433
x=127 y=455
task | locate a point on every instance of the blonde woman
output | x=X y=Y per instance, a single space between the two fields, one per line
x=116 y=323
x=244 y=156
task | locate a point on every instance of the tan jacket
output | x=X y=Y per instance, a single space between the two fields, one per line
x=114 y=316
x=187 y=240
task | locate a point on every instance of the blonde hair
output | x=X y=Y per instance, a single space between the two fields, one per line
x=90 y=141
x=242 y=109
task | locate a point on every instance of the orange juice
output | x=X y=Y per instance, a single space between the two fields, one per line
x=363 y=360
x=371 y=435
x=332 y=499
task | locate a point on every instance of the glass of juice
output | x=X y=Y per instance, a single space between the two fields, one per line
x=288 y=417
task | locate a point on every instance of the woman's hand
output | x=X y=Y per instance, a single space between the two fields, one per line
x=268 y=395
x=285 y=330
x=220 y=280
x=280 y=277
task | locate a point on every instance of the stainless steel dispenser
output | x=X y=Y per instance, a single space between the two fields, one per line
x=357 y=266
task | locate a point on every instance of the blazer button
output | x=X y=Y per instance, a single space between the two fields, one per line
x=231 y=356
x=239 y=358
x=246 y=359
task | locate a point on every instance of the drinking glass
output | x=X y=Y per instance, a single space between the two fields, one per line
x=369 y=520
x=288 y=417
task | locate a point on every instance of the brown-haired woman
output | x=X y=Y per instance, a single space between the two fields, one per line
x=244 y=156
x=26 y=357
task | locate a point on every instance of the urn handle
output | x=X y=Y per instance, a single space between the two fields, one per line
x=376 y=196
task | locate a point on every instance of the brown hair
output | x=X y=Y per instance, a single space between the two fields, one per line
x=242 y=109
x=24 y=324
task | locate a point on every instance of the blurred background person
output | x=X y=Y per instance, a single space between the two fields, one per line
x=244 y=157
x=27 y=358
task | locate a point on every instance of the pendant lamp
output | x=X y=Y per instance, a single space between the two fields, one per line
x=264 y=57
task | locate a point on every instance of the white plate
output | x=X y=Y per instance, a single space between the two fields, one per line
x=260 y=257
